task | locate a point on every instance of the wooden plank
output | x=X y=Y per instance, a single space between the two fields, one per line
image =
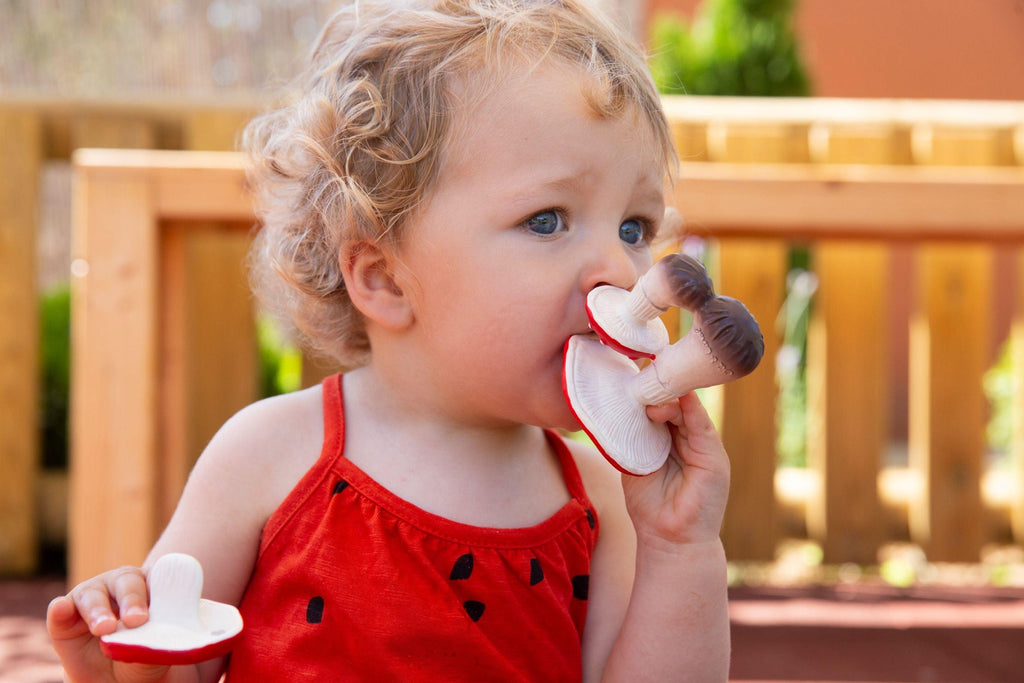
x=1017 y=454
x=819 y=201
x=811 y=110
x=174 y=439
x=758 y=142
x=208 y=352
x=964 y=144
x=114 y=370
x=20 y=166
x=752 y=271
x=846 y=377
x=221 y=370
x=846 y=365
x=214 y=129
x=948 y=356
x=113 y=131
x=186 y=185
x=790 y=201
x=950 y=352
x=691 y=139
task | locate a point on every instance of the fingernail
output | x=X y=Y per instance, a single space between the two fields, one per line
x=102 y=619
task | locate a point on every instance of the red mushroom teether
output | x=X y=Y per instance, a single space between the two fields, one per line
x=609 y=393
x=182 y=628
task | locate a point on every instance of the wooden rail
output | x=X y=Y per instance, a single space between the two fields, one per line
x=163 y=341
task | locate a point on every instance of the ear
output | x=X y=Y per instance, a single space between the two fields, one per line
x=373 y=286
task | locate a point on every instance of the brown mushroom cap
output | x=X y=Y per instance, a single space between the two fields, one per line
x=733 y=334
x=688 y=281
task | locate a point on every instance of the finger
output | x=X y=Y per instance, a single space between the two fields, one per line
x=666 y=412
x=63 y=621
x=93 y=603
x=695 y=418
x=128 y=588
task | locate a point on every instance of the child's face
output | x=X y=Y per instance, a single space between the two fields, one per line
x=539 y=201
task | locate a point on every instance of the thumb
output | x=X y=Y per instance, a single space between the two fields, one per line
x=63 y=622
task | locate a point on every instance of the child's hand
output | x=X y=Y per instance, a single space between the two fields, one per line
x=683 y=502
x=77 y=620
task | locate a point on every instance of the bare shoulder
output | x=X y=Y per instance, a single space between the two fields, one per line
x=243 y=475
x=268 y=445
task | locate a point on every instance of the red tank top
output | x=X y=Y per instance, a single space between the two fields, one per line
x=353 y=583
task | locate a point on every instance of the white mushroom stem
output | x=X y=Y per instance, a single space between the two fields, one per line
x=682 y=367
x=175 y=586
x=641 y=306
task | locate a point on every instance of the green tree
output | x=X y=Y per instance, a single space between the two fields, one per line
x=733 y=47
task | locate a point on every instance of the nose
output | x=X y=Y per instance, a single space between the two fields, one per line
x=612 y=262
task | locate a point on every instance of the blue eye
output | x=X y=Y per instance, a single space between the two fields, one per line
x=632 y=232
x=545 y=223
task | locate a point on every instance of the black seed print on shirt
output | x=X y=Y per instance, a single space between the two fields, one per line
x=339 y=487
x=474 y=609
x=315 y=610
x=590 y=518
x=536 y=572
x=463 y=568
x=581 y=586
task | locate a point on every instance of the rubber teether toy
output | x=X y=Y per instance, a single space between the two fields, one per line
x=609 y=393
x=628 y=320
x=182 y=628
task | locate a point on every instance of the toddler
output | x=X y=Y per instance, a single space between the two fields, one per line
x=451 y=180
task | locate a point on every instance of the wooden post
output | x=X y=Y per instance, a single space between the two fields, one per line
x=20 y=164
x=207 y=344
x=131 y=337
x=208 y=331
x=949 y=354
x=114 y=369
x=1017 y=341
x=846 y=365
x=753 y=271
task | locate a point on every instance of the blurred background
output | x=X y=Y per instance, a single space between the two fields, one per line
x=898 y=79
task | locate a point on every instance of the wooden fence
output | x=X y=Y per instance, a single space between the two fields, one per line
x=33 y=132
x=163 y=340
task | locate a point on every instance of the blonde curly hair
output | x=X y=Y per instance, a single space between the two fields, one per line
x=359 y=145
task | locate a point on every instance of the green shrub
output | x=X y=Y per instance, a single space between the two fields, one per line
x=55 y=364
x=280 y=361
x=1001 y=384
x=734 y=47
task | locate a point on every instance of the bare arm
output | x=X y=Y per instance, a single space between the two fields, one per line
x=676 y=624
x=242 y=476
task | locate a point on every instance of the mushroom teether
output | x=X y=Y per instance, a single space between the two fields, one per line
x=609 y=394
x=628 y=320
x=182 y=628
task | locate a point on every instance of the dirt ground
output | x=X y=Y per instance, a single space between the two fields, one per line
x=853 y=633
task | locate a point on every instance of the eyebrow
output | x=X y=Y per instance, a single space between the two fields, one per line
x=557 y=182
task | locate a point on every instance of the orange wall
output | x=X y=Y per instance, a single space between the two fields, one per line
x=971 y=49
